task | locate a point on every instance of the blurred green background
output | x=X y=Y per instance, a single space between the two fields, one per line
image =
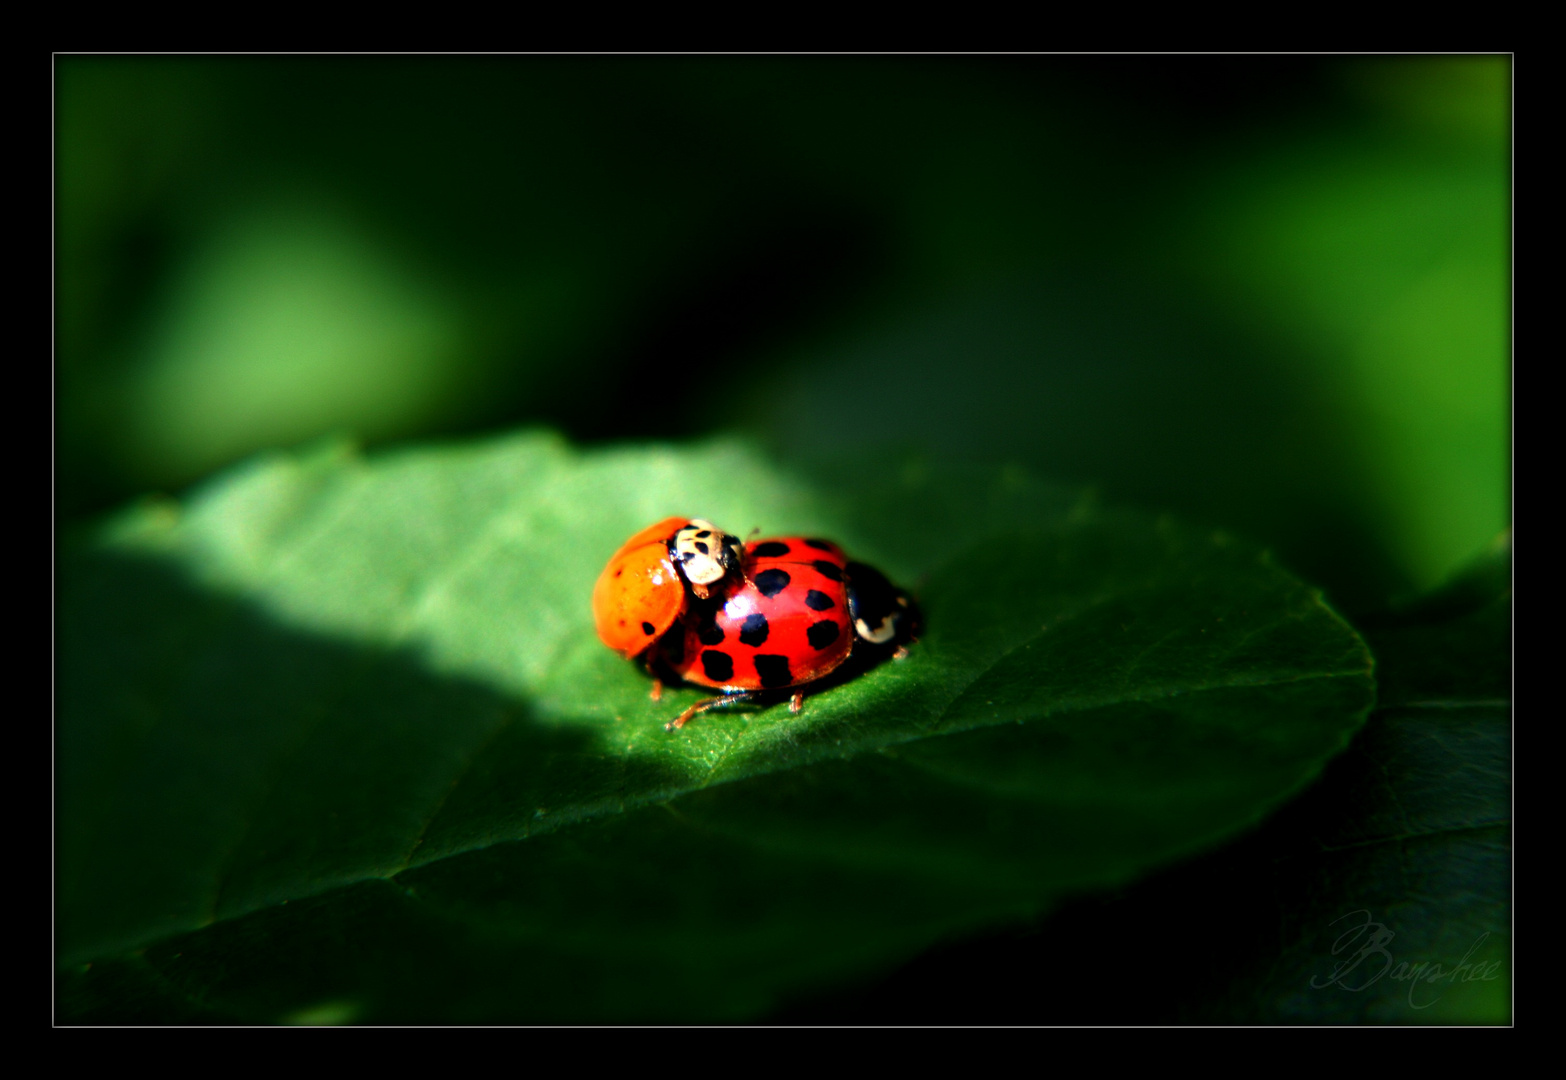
x=1266 y=293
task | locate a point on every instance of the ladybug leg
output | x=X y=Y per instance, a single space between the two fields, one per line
x=706 y=704
x=797 y=702
x=656 y=693
x=899 y=653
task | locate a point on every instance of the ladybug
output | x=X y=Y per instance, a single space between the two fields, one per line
x=648 y=582
x=792 y=616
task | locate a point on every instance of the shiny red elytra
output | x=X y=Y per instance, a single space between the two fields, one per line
x=786 y=623
x=787 y=613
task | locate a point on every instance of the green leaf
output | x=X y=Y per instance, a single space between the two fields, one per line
x=337 y=742
x=1412 y=827
x=1361 y=902
x=1392 y=877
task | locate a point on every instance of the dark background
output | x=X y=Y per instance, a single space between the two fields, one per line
x=1264 y=293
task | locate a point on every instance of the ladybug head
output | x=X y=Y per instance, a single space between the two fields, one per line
x=705 y=554
x=882 y=613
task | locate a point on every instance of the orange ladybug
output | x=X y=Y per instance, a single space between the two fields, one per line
x=641 y=592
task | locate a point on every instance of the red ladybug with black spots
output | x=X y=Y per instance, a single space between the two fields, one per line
x=794 y=614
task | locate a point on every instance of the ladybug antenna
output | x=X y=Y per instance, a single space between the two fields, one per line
x=752 y=532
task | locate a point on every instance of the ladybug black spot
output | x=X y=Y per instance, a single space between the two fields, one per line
x=703 y=534
x=648 y=628
x=817 y=600
x=828 y=569
x=709 y=633
x=719 y=666
x=773 y=671
x=819 y=545
x=771 y=582
x=701 y=547
x=753 y=631
x=772 y=549
x=822 y=634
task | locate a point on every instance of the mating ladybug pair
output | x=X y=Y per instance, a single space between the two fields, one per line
x=694 y=602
